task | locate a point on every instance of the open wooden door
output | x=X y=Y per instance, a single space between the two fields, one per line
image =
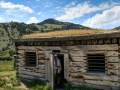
x=51 y=72
x=66 y=67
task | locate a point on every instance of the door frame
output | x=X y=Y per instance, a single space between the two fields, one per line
x=66 y=68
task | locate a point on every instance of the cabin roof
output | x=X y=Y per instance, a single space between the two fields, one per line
x=71 y=37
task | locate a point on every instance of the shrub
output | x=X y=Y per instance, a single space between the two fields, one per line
x=37 y=84
x=2 y=82
x=14 y=81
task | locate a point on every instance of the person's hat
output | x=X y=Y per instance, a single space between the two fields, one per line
x=55 y=54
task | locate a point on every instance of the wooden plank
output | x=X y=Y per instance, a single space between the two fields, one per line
x=31 y=73
x=76 y=53
x=112 y=53
x=94 y=47
x=64 y=51
x=41 y=61
x=30 y=77
x=77 y=64
x=52 y=72
x=47 y=64
x=66 y=67
x=113 y=72
x=76 y=80
x=41 y=52
x=94 y=77
x=104 y=83
x=77 y=69
x=76 y=84
x=41 y=57
x=113 y=59
x=42 y=67
x=113 y=66
x=77 y=59
x=20 y=51
x=32 y=70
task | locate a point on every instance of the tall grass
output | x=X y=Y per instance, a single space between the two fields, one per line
x=67 y=33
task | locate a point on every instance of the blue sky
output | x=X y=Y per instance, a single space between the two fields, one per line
x=103 y=14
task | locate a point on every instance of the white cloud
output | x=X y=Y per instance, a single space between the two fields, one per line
x=32 y=20
x=1 y=19
x=108 y=17
x=48 y=4
x=72 y=11
x=14 y=7
x=39 y=13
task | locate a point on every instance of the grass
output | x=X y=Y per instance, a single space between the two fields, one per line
x=67 y=33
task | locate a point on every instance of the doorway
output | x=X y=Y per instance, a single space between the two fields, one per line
x=61 y=58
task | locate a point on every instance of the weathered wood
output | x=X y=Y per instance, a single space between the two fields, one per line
x=42 y=67
x=112 y=53
x=94 y=47
x=77 y=59
x=31 y=73
x=41 y=52
x=76 y=84
x=64 y=51
x=66 y=67
x=77 y=69
x=113 y=72
x=47 y=64
x=113 y=59
x=76 y=64
x=30 y=77
x=76 y=53
x=41 y=57
x=104 y=83
x=52 y=71
x=112 y=65
x=76 y=80
x=41 y=61
x=94 y=77
x=20 y=51
x=32 y=70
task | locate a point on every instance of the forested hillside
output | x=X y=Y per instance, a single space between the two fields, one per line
x=11 y=30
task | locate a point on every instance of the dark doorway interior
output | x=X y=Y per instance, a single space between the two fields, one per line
x=61 y=57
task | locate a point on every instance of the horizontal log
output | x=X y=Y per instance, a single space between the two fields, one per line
x=77 y=69
x=112 y=53
x=31 y=73
x=36 y=48
x=94 y=77
x=76 y=64
x=20 y=51
x=77 y=59
x=113 y=72
x=32 y=70
x=113 y=65
x=113 y=59
x=76 y=80
x=23 y=59
x=76 y=53
x=41 y=61
x=41 y=57
x=41 y=53
x=95 y=47
x=104 y=83
x=42 y=67
x=76 y=84
x=29 y=77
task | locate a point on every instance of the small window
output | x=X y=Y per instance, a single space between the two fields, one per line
x=96 y=63
x=30 y=58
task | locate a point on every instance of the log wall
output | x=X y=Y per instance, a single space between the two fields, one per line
x=77 y=65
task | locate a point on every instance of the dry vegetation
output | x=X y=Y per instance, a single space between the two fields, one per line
x=67 y=33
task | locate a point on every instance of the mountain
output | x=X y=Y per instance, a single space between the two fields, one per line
x=117 y=28
x=11 y=30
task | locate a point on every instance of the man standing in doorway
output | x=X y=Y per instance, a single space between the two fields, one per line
x=57 y=69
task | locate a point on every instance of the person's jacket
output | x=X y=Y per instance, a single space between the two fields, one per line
x=58 y=64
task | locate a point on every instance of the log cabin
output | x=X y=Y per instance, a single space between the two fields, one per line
x=90 y=59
